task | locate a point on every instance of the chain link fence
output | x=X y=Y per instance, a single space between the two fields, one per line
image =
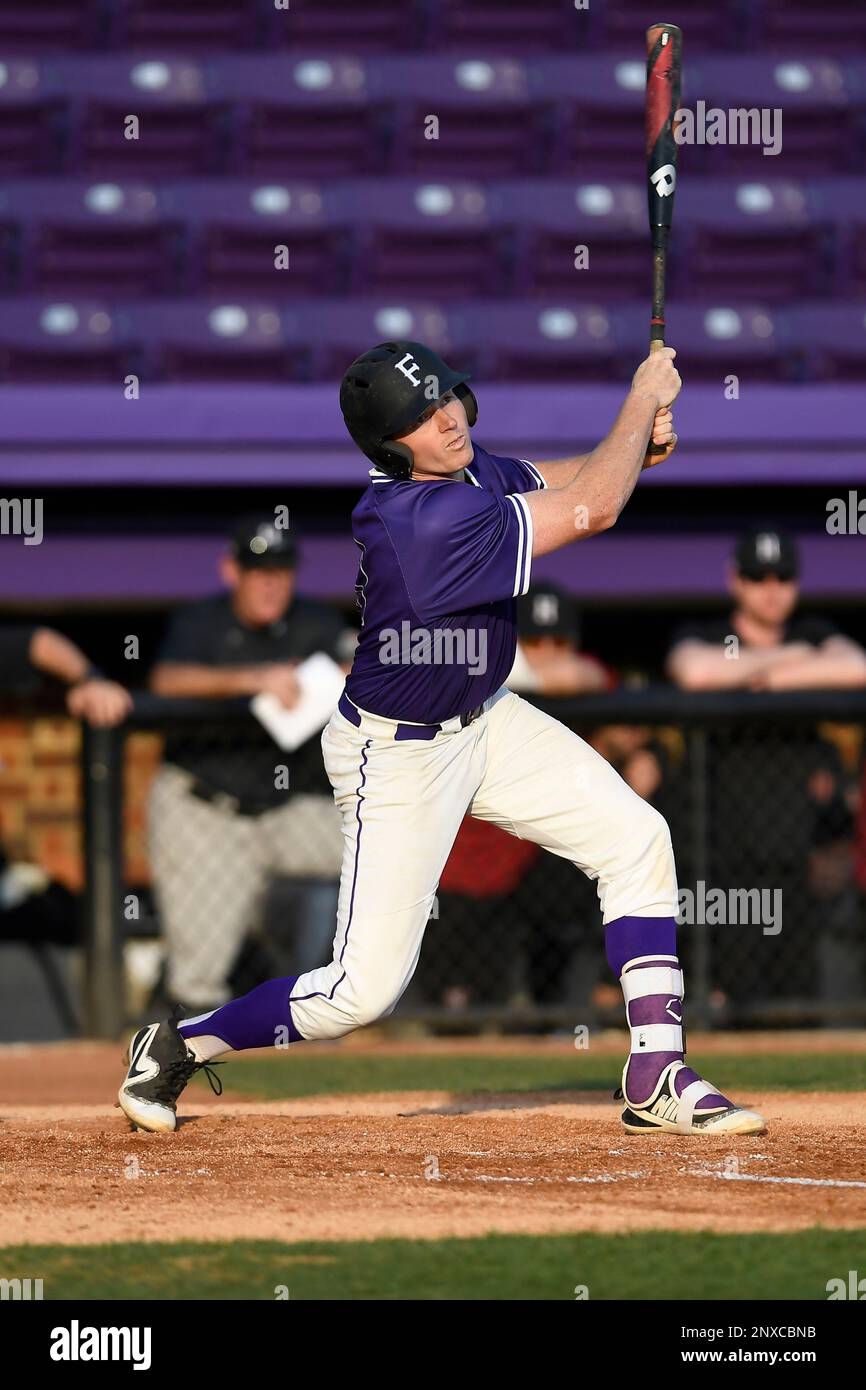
x=125 y=849
x=763 y=793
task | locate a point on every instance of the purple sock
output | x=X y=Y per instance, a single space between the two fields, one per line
x=653 y=942
x=630 y=937
x=258 y=1019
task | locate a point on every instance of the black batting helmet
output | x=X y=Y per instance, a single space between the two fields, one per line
x=387 y=389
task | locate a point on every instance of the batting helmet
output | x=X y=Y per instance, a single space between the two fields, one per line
x=386 y=390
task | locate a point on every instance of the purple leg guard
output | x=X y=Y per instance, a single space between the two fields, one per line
x=257 y=1019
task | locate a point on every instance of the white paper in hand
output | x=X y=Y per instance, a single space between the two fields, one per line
x=321 y=682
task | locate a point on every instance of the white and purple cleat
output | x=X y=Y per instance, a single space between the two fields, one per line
x=682 y=1103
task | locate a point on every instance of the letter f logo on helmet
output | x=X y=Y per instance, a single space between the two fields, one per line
x=411 y=371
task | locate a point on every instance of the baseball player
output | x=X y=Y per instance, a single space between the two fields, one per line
x=425 y=731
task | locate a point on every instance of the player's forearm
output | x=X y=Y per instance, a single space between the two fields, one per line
x=54 y=654
x=595 y=497
x=181 y=680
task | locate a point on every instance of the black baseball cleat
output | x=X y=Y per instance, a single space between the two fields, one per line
x=160 y=1065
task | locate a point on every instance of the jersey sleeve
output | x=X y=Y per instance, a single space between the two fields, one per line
x=517 y=475
x=465 y=547
x=534 y=480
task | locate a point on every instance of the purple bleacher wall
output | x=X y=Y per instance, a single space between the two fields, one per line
x=308 y=127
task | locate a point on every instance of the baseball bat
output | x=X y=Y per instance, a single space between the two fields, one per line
x=663 y=82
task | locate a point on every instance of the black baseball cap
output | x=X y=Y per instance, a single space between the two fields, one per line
x=258 y=543
x=548 y=611
x=768 y=551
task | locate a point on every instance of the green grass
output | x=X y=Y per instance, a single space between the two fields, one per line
x=642 y=1265
x=297 y=1072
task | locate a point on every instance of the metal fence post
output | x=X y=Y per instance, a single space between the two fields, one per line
x=699 y=978
x=101 y=777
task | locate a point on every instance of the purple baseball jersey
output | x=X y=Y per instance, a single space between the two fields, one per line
x=441 y=565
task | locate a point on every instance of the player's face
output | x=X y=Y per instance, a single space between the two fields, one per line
x=767 y=600
x=259 y=596
x=440 y=440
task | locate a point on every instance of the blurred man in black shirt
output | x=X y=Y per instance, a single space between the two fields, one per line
x=765 y=644
x=223 y=820
x=776 y=794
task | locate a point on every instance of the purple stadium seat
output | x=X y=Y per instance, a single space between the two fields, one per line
x=202 y=24
x=839 y=203
x=300 y=117
x=830 y=339
x=347 y=26
x=195 y=340
x=551 y=341
x=234 y=226
x=756 y=234
x=32 y=112
x=179 y=128
x=706 y=23
x=49 y=25
x=511 y=28
x=414 y=236
x=80 y=236
x=487 y=123
x=818 y=128
x=53 y=340
x=712 y=340
x=554 y=217
x=855 y=82
x=801 y=26
x=339 y=330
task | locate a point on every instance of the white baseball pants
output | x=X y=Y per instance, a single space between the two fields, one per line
x=401 y=804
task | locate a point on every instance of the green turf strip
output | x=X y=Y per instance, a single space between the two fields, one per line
x=299 y=1072
x=661 y=1264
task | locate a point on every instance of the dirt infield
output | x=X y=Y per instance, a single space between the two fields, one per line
x=415 y=1164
